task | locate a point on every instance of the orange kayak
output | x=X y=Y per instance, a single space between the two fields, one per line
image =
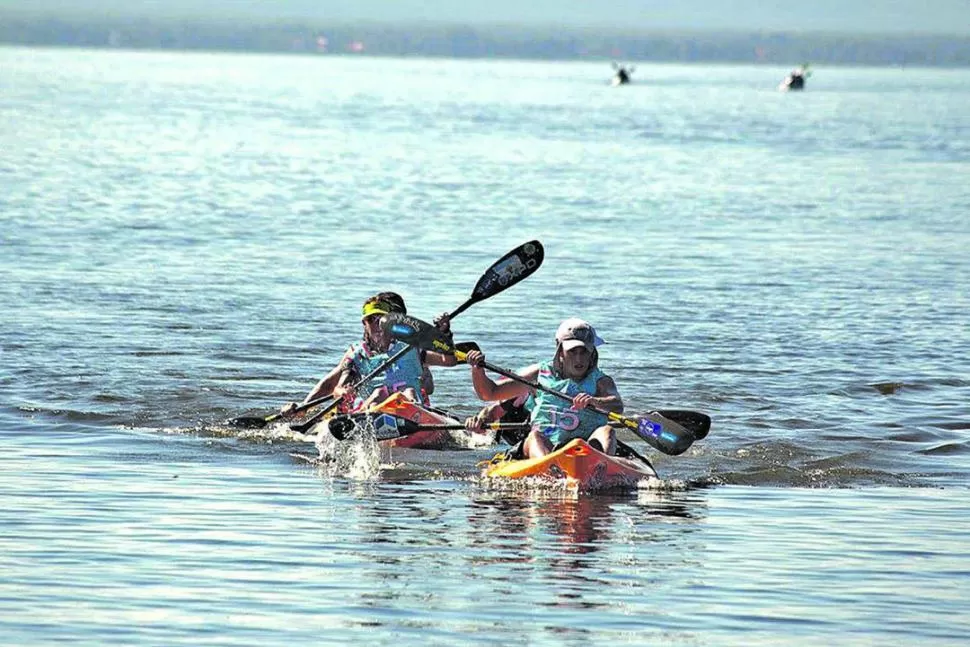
x=398 y=405
x=579 y=465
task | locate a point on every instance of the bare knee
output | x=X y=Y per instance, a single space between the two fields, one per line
x=537 y=445
x=606 y=435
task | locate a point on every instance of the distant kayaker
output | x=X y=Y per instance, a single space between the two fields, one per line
x=795 y=79
x=409 y=375
x=573 y=371
x=622 y=74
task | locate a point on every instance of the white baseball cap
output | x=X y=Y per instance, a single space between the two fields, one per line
x=575 y=332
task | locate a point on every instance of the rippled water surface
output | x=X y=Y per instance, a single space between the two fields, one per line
x=188 y=237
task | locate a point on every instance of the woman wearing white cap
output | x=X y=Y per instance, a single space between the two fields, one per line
x=574 y=371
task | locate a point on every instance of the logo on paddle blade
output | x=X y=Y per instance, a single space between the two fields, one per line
x=505 y=273
x=649 y=428
x=510 y=270
x=401 y=330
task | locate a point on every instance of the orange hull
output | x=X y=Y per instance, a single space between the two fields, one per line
x=396 y=404
x=580 y=466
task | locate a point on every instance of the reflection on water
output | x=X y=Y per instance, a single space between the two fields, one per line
x=580 y=521
x=568 y=529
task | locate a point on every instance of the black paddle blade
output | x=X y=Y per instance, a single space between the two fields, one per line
x=518 y=264
x=341 y=427
x=385 y=426
x=672 y=440
x=467 y=347
x=694 y=421
x=307 y=425
x=257 y=422
x=415 y=332
x=512 y=435
x=248 y=422
x=625 y=451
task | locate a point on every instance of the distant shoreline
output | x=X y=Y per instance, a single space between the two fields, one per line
x=784 y=66
x=492 y=42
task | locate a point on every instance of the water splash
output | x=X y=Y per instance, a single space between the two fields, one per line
x=358 y=459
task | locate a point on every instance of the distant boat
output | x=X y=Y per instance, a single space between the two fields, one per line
x=795 y=79
x=621 y=75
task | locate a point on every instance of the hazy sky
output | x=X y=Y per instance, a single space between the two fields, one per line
x=939 y=16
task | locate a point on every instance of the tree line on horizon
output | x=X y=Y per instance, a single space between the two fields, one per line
x=495 y=42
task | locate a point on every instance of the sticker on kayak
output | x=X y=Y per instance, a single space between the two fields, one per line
x=385 y=427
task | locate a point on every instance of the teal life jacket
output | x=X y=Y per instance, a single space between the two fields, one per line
x=554 y=417
x=405 y=372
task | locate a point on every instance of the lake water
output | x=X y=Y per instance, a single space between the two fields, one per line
x=189 y=237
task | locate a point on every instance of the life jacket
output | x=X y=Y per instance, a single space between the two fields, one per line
x=403 y=373
x=554 y=417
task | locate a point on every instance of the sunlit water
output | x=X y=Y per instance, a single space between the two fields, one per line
x=188 y=237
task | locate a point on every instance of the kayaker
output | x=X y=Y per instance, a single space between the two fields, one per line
x=574 y=371
x=511 y=411
x=409 y=375
x=622 y=76
x=795 y=79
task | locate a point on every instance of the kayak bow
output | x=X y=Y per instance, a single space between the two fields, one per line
x=578 y=465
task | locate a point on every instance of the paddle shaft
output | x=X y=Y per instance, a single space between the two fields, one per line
x=535 y=385
x=490 y=426
x=262 y=421
x=460 y=309
x=300 y=408
x=669 y=436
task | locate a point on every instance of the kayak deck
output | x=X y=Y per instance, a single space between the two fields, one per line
x=578 y=466
x=398 y=405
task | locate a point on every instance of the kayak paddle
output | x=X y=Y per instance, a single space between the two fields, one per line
x=514 y=267
x=662 y=433
x=387 y=426
x=518 y=264
x=258 y=422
